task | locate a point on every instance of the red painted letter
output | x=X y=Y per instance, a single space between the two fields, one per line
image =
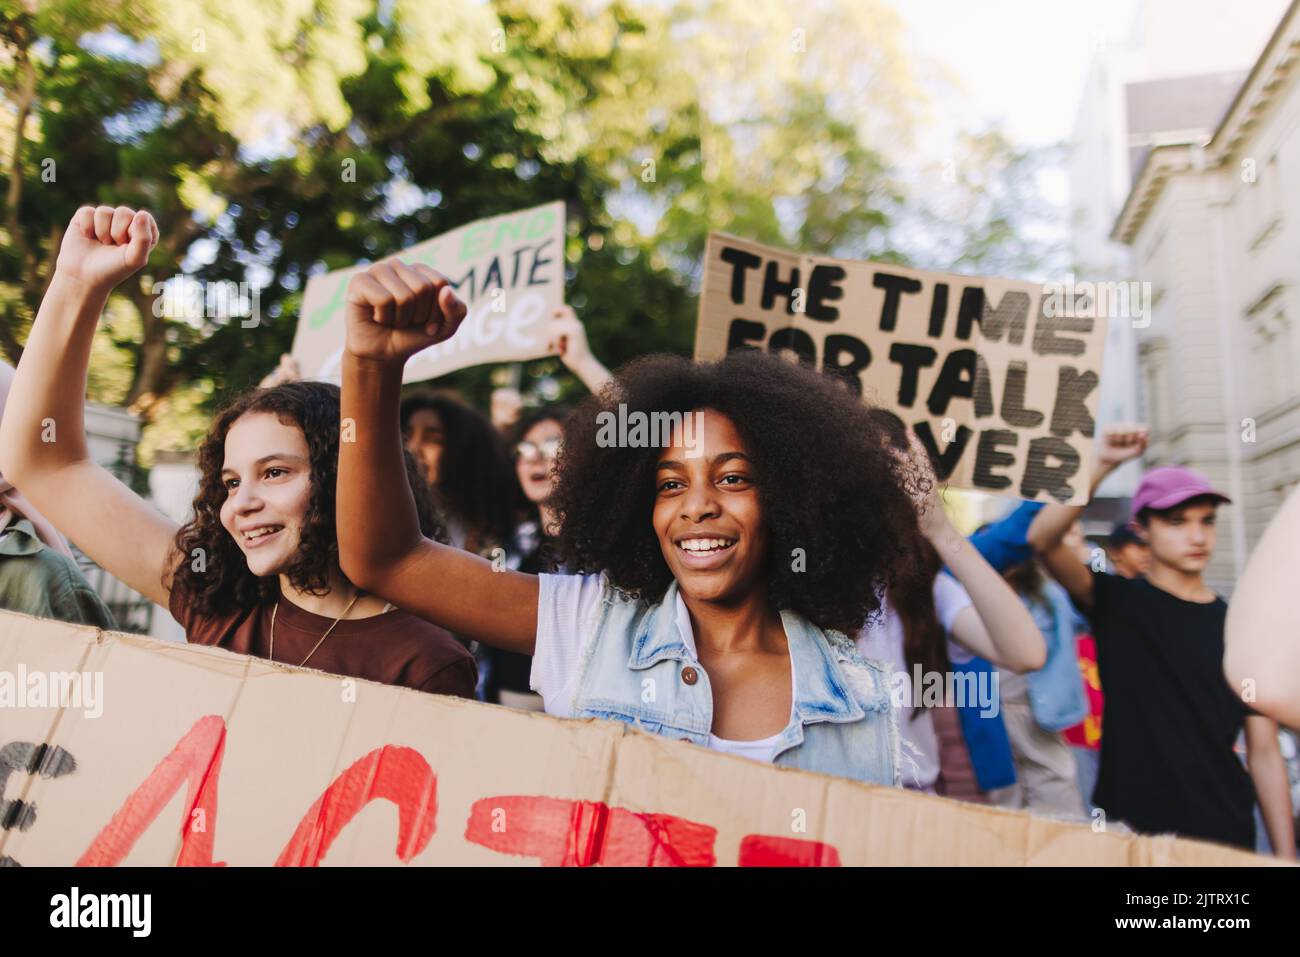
x=196 y=758
x=758 y=850
x=396 y=774
x=580 y=833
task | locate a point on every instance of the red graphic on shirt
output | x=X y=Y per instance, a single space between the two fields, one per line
x=1087 y=733
x=196 y=759
x=396 y=774
x=761 y=850
x=564 y=833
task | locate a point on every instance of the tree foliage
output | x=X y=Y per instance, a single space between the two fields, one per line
x=234 y=121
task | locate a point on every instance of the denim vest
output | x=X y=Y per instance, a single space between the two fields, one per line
x=842 y=723
x=1057 y=697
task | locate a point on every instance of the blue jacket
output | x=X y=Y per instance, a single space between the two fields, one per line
x=635 y=667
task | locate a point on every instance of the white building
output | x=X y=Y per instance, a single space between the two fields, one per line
x=1213 y=222
x=1167 y=77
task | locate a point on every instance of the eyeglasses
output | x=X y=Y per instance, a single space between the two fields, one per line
x=546 y=449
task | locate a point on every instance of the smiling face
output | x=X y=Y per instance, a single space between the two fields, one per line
x=535 y=459
x=267 y=477
x=707 y=514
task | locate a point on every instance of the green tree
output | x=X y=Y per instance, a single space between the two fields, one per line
x=235 y=121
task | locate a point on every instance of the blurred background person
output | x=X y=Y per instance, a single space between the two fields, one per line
x=465 y=462
x=538 y=435
x=1168 y=758
x=943 y=615
x=1129 y=556
x=38 y=574
x=1038 y=706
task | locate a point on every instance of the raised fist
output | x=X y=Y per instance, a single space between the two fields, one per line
x=395 y=310
x=1119 y=443
x=104 y=245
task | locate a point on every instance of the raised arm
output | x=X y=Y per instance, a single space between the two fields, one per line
x=569 y=337
x=1118 y=444
x=1263 y=631
x=999 y=627
x=43 y=435
x=393 y=311
x=1005 y=543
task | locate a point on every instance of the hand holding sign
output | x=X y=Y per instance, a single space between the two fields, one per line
x=395 y=310
x=567 y=337
x=286 y=371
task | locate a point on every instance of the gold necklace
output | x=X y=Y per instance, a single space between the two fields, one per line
x=322 y=637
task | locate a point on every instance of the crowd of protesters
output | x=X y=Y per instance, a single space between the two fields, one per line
x=781 y=573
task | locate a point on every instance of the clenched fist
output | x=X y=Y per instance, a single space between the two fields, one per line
x=395 y=310
x=104 y=245
x=1120 y=443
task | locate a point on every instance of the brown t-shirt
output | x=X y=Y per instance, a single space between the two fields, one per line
x=394 y=648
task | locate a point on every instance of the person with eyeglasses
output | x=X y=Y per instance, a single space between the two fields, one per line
x=538 y=435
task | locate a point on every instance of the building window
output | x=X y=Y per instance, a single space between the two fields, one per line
x=1153 y=357
x=1270 y=358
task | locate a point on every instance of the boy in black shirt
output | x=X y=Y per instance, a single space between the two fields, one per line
x=1171 y=718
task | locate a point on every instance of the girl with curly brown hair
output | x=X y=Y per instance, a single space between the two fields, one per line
x=721 y=565
x=256 y=569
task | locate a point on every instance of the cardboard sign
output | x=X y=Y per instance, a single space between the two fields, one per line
x=117 y=749
x=508 y=269
x=998 y=380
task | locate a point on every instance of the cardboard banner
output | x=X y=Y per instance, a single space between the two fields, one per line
x=509 y=270
x=999 y=380
x=118 y=749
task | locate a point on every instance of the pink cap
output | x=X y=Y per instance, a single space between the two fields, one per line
x=1170 y=486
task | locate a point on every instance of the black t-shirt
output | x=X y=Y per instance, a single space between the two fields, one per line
x=1171 y=718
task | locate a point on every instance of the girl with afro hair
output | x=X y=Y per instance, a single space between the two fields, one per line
x=720 y=564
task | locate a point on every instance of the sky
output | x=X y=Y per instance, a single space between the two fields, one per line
x=1021 y=62
x=1018 y=64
